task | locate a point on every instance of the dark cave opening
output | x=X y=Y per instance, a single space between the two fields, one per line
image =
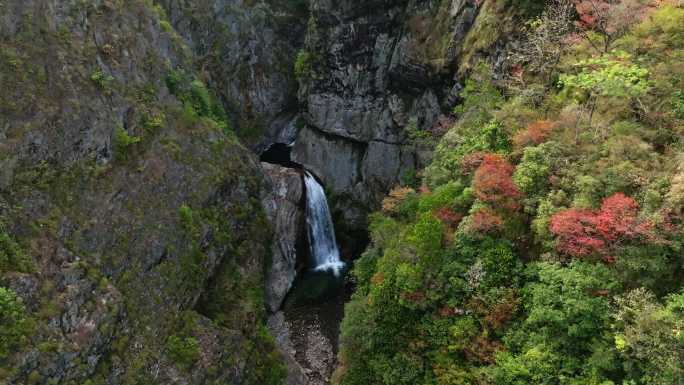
x=280 y=154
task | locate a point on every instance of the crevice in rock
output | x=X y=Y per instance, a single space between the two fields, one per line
x=280 y=154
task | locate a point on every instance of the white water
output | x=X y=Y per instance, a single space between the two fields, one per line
x=322 y=243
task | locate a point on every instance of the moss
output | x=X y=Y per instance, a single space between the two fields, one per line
x=496 y=18
x=184 y=351
x=303 y=66
x=12 y=255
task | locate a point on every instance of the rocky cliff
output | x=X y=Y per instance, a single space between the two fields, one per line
x=285 y=210
x=133 y=209
x=374 y=77
x=247 y=48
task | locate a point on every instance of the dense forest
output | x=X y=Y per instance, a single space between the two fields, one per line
x=543 y=244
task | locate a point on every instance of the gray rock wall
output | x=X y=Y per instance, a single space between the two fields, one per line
x=379 y=71
x=285 y=209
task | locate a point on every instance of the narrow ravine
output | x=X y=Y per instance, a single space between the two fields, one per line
x=306 y=325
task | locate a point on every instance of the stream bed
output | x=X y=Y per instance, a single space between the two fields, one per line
x=308 y=327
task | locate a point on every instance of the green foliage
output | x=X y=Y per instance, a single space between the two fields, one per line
x=123 y=142
x=607 y=76
x=14 y=325
x=532 y=173
x=649 y=336
x=565 y=330
x=528 y=8
x=477 y=129
x=198 y=100
x=266 y=365
x=678 y=104
x=102 y=80
x=438 y=303
x=303 y=66
x=183 y=350
x=12 y=256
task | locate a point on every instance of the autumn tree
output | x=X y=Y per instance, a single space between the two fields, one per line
x=582 y=233
x=602 y=22
x=484 y=221
x=493 y=182
x=535 y=133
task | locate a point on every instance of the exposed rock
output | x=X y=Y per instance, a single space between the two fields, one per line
x=280 y=328
x=285 y=209
x=379 y=71
x=129 y=205
x=319 y=355
x=248 y=48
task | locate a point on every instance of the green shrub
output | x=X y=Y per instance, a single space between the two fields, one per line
x=101 y=80
x=13 y=322
x=184 y=351
x=123 y=142
x=198 y=100
x=12 y=256
x=303 y=65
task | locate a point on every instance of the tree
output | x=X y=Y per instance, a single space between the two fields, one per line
x=493 y=182
x=544 y=42
x=610 y=76
x=582 y=233
x=602 y=22
x=649 y=336
x=533 y=172
x=565 y=329
x=535 y=133
x=13 y=322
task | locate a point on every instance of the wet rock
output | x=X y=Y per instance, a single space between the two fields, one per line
x=285 y=209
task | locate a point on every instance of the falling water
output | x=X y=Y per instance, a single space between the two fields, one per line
x=321 y=232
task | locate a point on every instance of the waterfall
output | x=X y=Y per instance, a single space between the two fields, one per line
x=321 y=232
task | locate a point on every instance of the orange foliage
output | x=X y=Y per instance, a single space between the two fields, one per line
x=482 y=350
x=493 y=182
x=449 y=217
x=394 y=199
x=535 y=133
x=485 y=221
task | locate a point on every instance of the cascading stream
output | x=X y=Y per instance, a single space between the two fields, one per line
x=324 y=250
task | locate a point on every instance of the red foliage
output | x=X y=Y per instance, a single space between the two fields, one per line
x=590 y=13
x=449 y=217
x=576 y=231
x=611 y=19
x=535 y=133
x=582 y=233
x=485 y=221
x=493 y=182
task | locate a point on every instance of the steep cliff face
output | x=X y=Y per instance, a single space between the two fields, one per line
x=373 y=76
x=247 y=48
x=136 y=211
x=285 y=210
